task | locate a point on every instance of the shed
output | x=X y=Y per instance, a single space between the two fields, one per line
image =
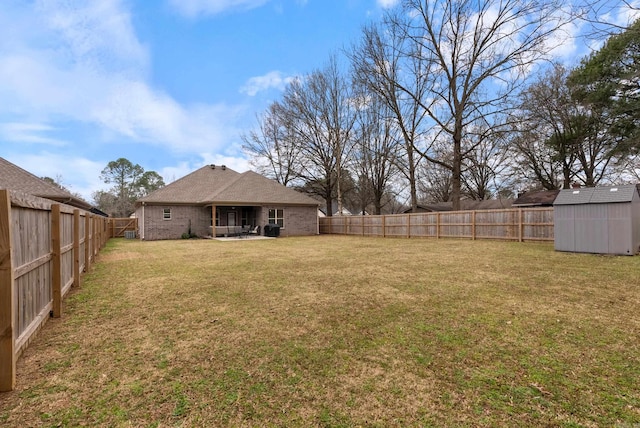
x=602 y=220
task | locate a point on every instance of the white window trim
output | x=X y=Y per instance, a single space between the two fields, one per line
x=269 y=218
x=164 y=212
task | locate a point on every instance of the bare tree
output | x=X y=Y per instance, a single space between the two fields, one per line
x=546 y=115
x=573 y=135
x=322 y=117
x=273 y=147
x=486 y=165
x=473 y=56
x=434 y=184
x=607 y=17
x=378 y=64
x=535 y=164
x=375 y=151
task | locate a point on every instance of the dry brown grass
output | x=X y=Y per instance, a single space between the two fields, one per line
x=339 y=331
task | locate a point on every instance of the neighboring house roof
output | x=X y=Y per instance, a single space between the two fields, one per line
x=213 y=184
x=465 y=205
x=543 y=198
x=13 y=177
x=598 y=195
x=345 y=211
x=430 y=208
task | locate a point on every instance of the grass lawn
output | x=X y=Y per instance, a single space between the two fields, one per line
x=339 y=331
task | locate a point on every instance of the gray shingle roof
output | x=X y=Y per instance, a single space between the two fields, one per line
x=13 y=177
x=195 y=188
x=209 y=185
x=597 y=195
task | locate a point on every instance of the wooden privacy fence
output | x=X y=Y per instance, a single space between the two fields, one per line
x=119 y=226
x=44 y=247
x=520 y=224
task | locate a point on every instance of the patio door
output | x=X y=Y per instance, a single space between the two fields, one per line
x=231 y=218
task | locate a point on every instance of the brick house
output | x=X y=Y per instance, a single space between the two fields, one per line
x=215 y=200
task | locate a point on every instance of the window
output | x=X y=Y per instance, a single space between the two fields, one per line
x=277 y=216
x=166 y=214
x=217 y=218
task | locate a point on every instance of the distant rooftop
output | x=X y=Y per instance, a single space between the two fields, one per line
x=13 y=177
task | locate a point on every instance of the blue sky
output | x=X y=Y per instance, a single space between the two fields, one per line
x=168 y=84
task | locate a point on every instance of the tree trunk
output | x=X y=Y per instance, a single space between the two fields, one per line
x=456 y=172
x=412 y=181
x=329 y=201
x=566 y=172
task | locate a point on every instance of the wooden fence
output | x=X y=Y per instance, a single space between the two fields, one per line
x=44 y=247
x=118 y=226
x=521 y=224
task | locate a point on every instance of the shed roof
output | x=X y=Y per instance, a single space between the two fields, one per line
x=213 y=184
x=13 y=177
x=598 y=195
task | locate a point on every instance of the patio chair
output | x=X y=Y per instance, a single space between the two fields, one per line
x=255 y=231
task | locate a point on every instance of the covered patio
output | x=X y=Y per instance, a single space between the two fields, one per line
x=227 y=221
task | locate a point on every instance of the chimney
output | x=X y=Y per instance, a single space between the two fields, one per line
x=575 y=185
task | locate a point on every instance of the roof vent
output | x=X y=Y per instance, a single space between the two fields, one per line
x=213 y=166
x=224 y=167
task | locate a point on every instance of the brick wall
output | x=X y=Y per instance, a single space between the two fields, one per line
x=298 y=221
x=156 y=227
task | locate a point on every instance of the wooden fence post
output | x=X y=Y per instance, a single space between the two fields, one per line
x=438 y=225
x=87 y=241
x=76 y=248
x=408 y=226
x=473 y=225
x=96 y=238
x=7 y=298
x=520 y=225
x=384 y=226
x=56 y=256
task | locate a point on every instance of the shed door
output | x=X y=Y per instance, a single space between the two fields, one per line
x=620 y=239
x=591 y=229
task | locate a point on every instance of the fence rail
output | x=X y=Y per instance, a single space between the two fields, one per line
x=118 y=226
x=44 y=247
x=521 y=224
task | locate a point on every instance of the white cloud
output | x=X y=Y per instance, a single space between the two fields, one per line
x=273 y=79
x=194 y=8
x=82 y=62
x=85 y=179
x=618 y=14
x=563 y=43
x=173 y=173
x=96 y=33
x=30 y=133
x=135 y=110
x=386 y=4
x=235 y=163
